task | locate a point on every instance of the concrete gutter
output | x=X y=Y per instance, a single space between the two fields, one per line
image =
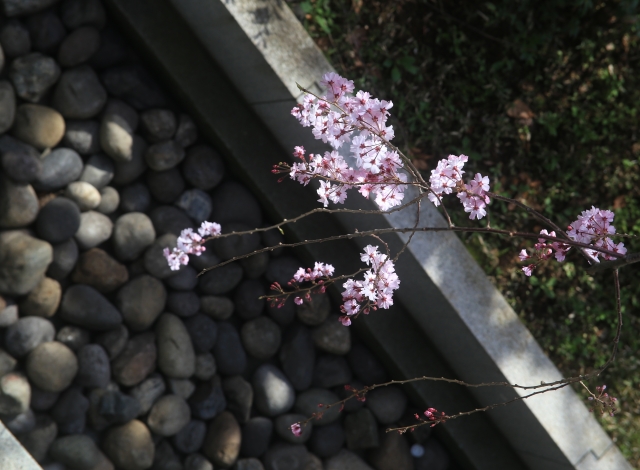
x=12 y=455
x=234 y=65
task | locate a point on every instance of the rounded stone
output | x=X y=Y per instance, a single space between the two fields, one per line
x=164 y=155
x=84 y=306
x=297 y=356
x=127 y=171
x=256 y=265
x=70 y=411
x=8 y=316
x=85 y=195
x=99 y=270
x=43 y=300
x=190 y=438
x=165 y=186
x=148 y=392
x=42 y=400
x=231 y=358
x=79 y=94
x=18 y=204
x=332 y=337
x=154 y=261
x=283 y=428
x=76 y=13
x=58 y=220
x=78 y=452
x=261 y=338
x=130 y=446
x=21 y=166
x=32 y=76
x=331 y=371
x=289 y=456
x=184 y=304
x=256 y=435
x=94 y=368
x=26 y=334
x=169 y=219
x=203 y=167
x=326 y=441
x=14 y=38
x=239 y=394
x=168 y=415
x=21 y=424
x=79 y=46
x=73 y=337
x=39 y=126
x=38 y=440
x=136 y=361
x=315 y=312
x=218 y=308
x=52 y=366
x=23 y=262
x=206 y=366
x=186 y=279
x=59 y=168
x=176 y=357
x=109 y=200
x=15 y=394
x=82 y=136
x=45 y=28
x=119 y=122
x=141 y=301
x=197 y=462
x=196 y=203
x=95 y=228
x=158 y=124
x=223 y=440
x=208 y=399
x=220 y=280
x=134 y=198
x=65 y=256
x=132 y=234
x=387 y=404
x=203 y=331
x=232 y=202
x=113 y=341
x=7 y=106
x=309 y=401
x=273 y=393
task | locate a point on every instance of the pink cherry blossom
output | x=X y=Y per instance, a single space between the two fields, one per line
x=190 y=243
x=296 y=429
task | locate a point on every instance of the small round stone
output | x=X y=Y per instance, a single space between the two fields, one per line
x=176 y=357
x=7 y=106
x=206 y=366
x=332 y=337
x=331 y=371
x=15 y=394
x=8 y=316
x=298 y=356
x=273 y=393
x=134 y=198
x=98 y=269
x=21 y=166
x=183 y=304
x=79 y=451
x=65 y=256
x=236 y=245
x=366 y=366
x=231 y=358
x=186 y=279
x=208 y=400
x=181 y=387
x=169 y=219
x=256 y=434
x=256 y=265
x=164 y=155
x=94 y=369
x=79 y=93
x=291 y=457
x=128 y=171
x=136 y=361
x=32 y=75
x=79 y=46
x=39 y=126
x=38 y=440
x=132 y=234
x=223 y=439
x=203 y=167
x=52 y=366
x=85 y=195
x=113 y=48
x=70 y=411
x=82 y=136
x=392 y=454
x=25 y=260
x=95 y=228
x=283 y=428
x=315 y=312
x=109 y=200
x=130 y=446
x=203 y=332
x=148 y=392
x=59 y=168
x=165 y=186
x=73 y=337
x=26 y=334
x=282 y=269
x=169 y=415
x=197 y=462
x=387 y=404
x=119 y=122
x=220 y=280
x=14 y=38
x=42 y=400
x=43 y=300
x=239 y=394
x=113 y=341
x=22 y=423
x=190 y=438
x=18 y=204
x=327 y=441
x=158 y=124
x=218 y=308
x=309 y=401
x=141 y=301
x=45 y=28
x=154 y=261
x=84 y=306
x=261 y=338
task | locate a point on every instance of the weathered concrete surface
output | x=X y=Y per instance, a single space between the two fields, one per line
x=12 y=454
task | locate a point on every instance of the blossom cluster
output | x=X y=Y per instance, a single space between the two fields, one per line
x=360 y=120
x=447 y=178
x=374 y=291
x=592 y=227
x=602 y=401
x=190 y=243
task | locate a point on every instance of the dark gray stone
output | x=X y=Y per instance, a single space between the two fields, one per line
x=232 y=202
x=134 y=198
x=273 y=238
x=197 y=462
x=14 y=38
x=365 y=365
x=332 y=337
x=8 y=314
x=21 y=424
x=283 y=428
x=141 y=301
x=18 y=204
x=218 y=308
x=33 y=75
x=315 y=312
x=118 y=408
x=169 y=219
x=203 y=167
x=135 y=86
x=331 y=371
x=21 y=167
x=273 y=393
x=65 y=256
x=196 y=203
x=23 y=262
x=176 y=357
x=164 y=155
x=117 y=128
x=52 y=366
x=26 y=334
x=76 y=13
x=239 y=396
x=132 y=234
x=127 y=171
x=94 y=368
x=59 y=168
x=165 y=457
x=235 y=245
x=78 y=451
x=247 y=299
x=79 y=46
x=136 y=361
x=38 y=440
x=352 y=404
x=187 y=133
x=282 y=314
x=261 y=338
x=326 y=441
x=154 y=261
x=256 y=265
x=208 y=400
x=165 y=186
x=70 y=410
x=113 y=341
x=220 y=280
x=148 y=392
x=231 y=358
x=387 y=404
x=206 y=366
x=282 y=269
x=289 y=456
x=187 y=304
x=79 y=94
x=158 y=124
x=190 y=438
x=182 y=387
x=361 y=430
x=58 y=220
x=346 y=460
x=186 y=279
x=203 y=331
x=392 y=454
x=7 y=105
x=74 y=338
x=42 y=400
x=84 y=306
x=46 y=30
x=256 y=434
x=297 y=356
x=7 y=362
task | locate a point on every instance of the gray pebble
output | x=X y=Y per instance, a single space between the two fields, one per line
x=309 y=401
x=134 y=198
x=361 y=430
x=38 y=440
x=154 y=261
x=7 y=106
x=164 y=155
x=7 y=362
x=97 y=269
x=21 y=424
x=109 y=200
x=141 y=301
x=185 y=304
x=52 y=366
x=147 y=392
x=176 y=357
x=187 y=133
x=18 y=204
x=70 y=410
x=331 y=371
x=8 y=314
x=289 y=456
x=113 y=341
x=26 y=334
x=74 y=338
x=85 y=195
x=43 y=300
x=239 y=394
x=42 y=400
x=218 y=308
x=59 y=168
x=24 y=262
x=76 y=13
x=297 y=356
x=206 y=366
x=169 y=219
x=190 y=438
x=392 y=454
x=65 y=256
x=58 y=220
x=208 y=399
x=39 y=126
x=222 y=441
x=315 y=312
x=79 y=46
x=21 y=167
x=256 y=434
x=99 y=169
x=78 y=452
x=134 y=85
x=14 y=38
x=249 y=464
x=158 y=124
x=129 y=446
x=183 y=388
x=197 y=204
x=79 y=94
x=127 y=171
x=332 y=337
x=387 y=404
x=283 y=428
x=231 y=358
x=261 y=338
x=132 y=234
x=94 y=368
x=46 y=29
x=346 y=460
x=168 y=415
x=327 y=441
x=32 y=76
x=232 y=202
x=165 y=186
x=273 y=393
x=95 y=228
x=118 y=408
x=366 y=366
x=282 y=314
x=119 y=122
x=84 y=306
x=136 y=361
x=15 y=394
x=197 y=462
x=186 y=279
x=165 y=457
x=203 y=167
x=220 y=280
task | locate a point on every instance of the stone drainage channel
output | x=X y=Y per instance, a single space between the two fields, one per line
x=107 y=358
